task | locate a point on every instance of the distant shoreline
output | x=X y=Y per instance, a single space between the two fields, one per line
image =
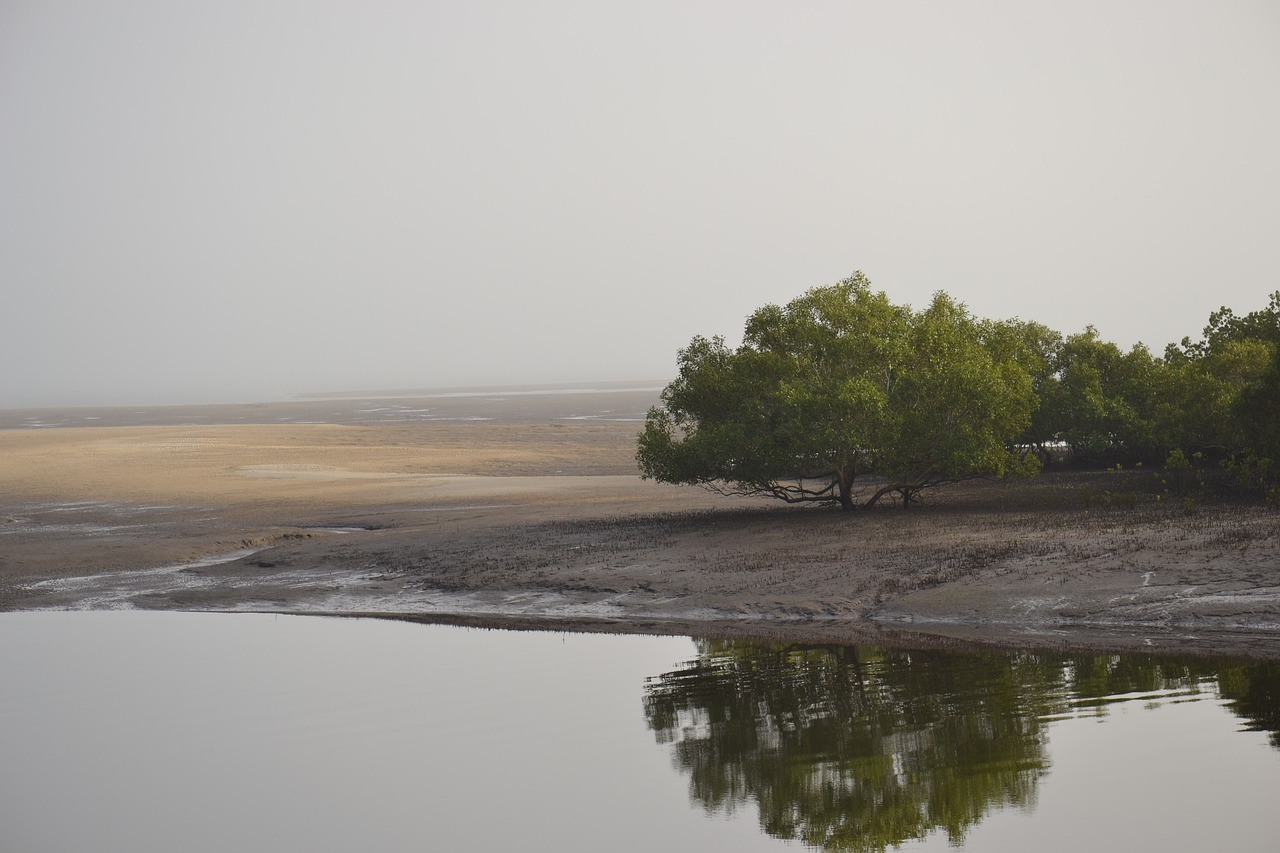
x=609 y=387
x=158 y=409
x=540 y=402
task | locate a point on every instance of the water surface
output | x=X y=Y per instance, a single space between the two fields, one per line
x=132 y=731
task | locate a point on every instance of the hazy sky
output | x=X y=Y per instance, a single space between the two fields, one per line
x=235 y=201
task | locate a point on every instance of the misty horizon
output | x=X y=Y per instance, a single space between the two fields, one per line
x=510 y=389
x=251 y=201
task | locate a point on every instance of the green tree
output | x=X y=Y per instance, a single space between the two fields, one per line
x=1257 y=410
x=1224 y=396
x=1200 y=399
x=1101 y=401
x=1226 y=326
x=839 y=388
x=1038 y=349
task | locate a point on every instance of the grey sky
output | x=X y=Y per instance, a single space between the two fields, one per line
x=244 y=200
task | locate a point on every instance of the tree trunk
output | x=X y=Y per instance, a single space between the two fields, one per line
x=846 y=491
x=875 y=499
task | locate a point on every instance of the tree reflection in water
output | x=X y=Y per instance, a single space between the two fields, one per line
x=860 y=749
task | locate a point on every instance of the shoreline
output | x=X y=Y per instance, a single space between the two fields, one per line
x=539 y=521
x=1228 y=644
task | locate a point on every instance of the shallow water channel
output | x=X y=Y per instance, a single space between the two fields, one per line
x=139 y=731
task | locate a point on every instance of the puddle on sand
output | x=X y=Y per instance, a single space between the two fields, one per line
x=331 y=592
x=117 y=590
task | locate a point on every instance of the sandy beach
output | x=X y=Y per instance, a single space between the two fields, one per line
x=522 y=508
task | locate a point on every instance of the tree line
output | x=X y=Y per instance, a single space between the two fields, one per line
x=843 y=397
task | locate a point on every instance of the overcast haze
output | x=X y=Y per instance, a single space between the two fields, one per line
x=234 y=201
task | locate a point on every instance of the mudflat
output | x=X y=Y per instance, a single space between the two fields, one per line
x=523 y=508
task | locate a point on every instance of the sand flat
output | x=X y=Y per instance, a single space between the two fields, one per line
x=536 y=516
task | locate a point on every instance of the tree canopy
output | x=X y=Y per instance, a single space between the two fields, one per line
x=842 y=397
x=1217 y=396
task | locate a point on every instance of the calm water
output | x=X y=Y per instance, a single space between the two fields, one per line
x=127 y=731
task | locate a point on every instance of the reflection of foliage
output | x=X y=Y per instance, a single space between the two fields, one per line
x=853 y=754
x=1253 y=692
x=861 y=749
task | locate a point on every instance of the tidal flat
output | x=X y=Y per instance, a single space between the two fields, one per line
x=522 y=508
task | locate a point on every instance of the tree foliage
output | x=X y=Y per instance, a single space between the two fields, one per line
x=841 y=387
x=1226 y=327
x=841 y=396
x=1216 y=396
x=1099 y=400
x=1257 y=411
